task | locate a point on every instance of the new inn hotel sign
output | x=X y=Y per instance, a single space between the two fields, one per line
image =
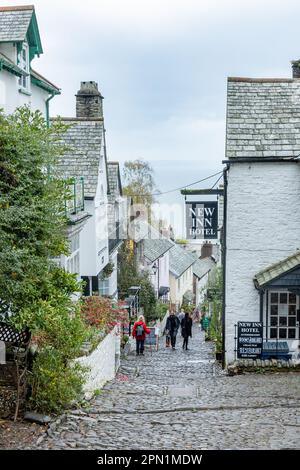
x=201 y=220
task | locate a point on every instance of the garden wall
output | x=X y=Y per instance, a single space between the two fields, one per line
x=103 y=363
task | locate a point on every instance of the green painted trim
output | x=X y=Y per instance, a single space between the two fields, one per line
x=34 y=39
x=44 y=85
x=14 y=69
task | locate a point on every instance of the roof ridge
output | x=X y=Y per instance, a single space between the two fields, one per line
x=17 y=8
x=260 y=80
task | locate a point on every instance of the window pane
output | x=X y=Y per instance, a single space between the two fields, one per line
x=274 y=321
x=292 y=321
x=273 y=333
x=274 y=298
x=292 y=333
x=282 y=333
x=292 y=298
x=282 y=321
x=292 y=309
x=274 y=309
x=283 y=298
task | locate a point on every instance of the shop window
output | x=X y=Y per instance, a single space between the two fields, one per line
x=282 y=315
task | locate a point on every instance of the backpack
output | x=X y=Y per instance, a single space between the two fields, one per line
x=139 y=330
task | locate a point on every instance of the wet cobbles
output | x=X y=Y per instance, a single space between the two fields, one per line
x=183 y=400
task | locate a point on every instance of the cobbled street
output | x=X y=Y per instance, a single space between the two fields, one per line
x=182 y=400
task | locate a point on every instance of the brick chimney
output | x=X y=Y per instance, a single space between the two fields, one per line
x=296 y=68
x=89 y=101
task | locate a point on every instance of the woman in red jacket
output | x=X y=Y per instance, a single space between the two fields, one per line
x=139 y=332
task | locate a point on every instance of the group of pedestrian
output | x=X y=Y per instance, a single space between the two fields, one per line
x=182 y=320
x=174 y=322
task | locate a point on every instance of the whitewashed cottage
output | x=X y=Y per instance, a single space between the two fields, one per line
x=85 y=161
x=20 y=45
x=117 y=215
x=262 y=209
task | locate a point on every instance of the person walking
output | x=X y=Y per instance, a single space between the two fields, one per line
x=186 y=330
x=196 y=316
x=139 y=332
x=205 y=322
x=172 y=327
x=181 y=315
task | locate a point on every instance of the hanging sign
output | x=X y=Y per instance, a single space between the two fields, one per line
x=250 y=339
x=201 y=220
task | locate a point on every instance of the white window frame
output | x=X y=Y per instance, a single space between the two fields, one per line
x=24 y=81
x=287 y=315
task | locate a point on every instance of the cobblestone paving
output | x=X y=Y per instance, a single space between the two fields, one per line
x=182 y=400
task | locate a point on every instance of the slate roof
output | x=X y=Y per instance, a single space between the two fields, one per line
x=154 y=249
x=263 y=118
x=278 y=269
x=114 y=180
x=180 y=260
x=203 y=266
x=14 y=22
x=84 y=142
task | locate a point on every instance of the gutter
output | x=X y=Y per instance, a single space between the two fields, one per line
x=224 y=240
x=260 y=160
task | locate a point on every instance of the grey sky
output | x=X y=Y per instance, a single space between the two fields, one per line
x=162 y=66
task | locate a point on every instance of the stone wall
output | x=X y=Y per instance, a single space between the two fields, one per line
x=103 y=363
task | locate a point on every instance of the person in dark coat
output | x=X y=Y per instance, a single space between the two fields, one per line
x=172 y=327
x=139 y=332
x=186 y=330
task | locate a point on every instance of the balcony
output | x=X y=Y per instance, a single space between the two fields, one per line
x=75 y=202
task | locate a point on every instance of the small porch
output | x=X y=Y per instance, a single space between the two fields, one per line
x=279 y=291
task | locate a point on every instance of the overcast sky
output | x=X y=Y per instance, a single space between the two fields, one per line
x=162 y=67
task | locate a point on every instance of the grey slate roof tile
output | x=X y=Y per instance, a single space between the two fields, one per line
x=277 y=269
x=180 y=260
x=84 y=142
x=153 y=249
x=14 y=24
x=263 y=118
x=203 y=266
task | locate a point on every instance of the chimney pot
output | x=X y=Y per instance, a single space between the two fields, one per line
x=296 y=68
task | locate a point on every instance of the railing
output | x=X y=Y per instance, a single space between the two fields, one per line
x=75 y=202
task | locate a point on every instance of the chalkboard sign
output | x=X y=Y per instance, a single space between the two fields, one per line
x=250 y=340
x=151 y=338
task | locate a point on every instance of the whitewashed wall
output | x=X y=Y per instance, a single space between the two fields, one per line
x=10 y=96
x=103 y=363
x=178 y=289
x=263 y=227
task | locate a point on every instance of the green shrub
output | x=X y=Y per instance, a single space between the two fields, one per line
x=55 y=383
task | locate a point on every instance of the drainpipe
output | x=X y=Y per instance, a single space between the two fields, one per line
x=47 y=108
x=224 y=263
